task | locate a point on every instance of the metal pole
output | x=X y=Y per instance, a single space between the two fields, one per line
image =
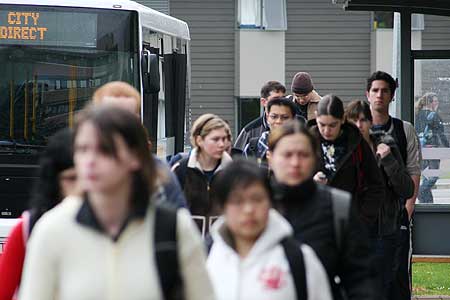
x=406 y=69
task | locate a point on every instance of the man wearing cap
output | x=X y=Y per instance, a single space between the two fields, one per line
x=254 y=129
x=304 y=96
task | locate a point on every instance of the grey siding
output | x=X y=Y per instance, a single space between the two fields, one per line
x=436 y=35
x=211 y=23
x=331 y=44
x=159 y=5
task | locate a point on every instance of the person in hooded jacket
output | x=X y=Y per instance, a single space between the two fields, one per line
x=311 y=209
x=248 y=259
x=196 y=172
x=347 y=162
x=399 y=187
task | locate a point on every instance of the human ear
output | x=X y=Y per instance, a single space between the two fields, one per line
x=199 y=141
x=263 y=102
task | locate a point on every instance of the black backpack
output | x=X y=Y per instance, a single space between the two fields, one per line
x=166 y=252
x=180 y=170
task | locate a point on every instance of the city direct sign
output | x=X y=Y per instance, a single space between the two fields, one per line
x=48 y=28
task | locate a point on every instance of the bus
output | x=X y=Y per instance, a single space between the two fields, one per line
x=55 y=53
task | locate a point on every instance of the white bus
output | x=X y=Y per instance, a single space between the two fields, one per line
x=55 y=53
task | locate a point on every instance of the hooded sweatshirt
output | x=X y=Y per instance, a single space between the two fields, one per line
x=264 y=273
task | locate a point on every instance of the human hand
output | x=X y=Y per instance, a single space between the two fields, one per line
x=383 y=150
x=320 y=177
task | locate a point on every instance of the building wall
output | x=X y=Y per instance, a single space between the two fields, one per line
x=261 y=58
x=331 y=44
x=436 y=35
x=212 y=27
x=159 y=5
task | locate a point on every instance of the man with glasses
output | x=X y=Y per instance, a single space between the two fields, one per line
x=279 y=110
x=304 y=96
x=255 y=128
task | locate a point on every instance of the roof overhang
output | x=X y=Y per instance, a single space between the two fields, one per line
x=429 y=7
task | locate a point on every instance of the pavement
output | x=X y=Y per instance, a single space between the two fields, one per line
x=430 y=297
x=441 y=192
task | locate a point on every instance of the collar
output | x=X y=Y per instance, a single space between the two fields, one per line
x=264 y=121
x=193 y=162
x=293 y=195
x=86 y=217
x=388 y=127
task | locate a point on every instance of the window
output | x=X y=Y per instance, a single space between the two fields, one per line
x=432 y=123
x=248 y=110
x=385 y=19
x=262 y=14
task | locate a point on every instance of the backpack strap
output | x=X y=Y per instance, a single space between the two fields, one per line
x=166 y=252
x=400 y=138
x=341 y=202
x=180 y=170
x=297 y=265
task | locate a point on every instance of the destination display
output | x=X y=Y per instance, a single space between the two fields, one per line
x=48 y=28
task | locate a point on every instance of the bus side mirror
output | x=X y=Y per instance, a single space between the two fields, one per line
x=150 y=72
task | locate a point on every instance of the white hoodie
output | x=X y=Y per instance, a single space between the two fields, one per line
x=264 y=273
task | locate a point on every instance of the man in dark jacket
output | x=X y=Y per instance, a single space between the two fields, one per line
x=279 y=111
x=380 y=91
x=254 y=129
x=398 y=187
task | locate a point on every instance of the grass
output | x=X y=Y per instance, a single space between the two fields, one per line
x=431 y=279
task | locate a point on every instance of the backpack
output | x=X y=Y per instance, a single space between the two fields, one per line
x=180 y=169
x=296 y=262
x=427 y=133
x=341 y=202
x=166 y=252
x=400 y=138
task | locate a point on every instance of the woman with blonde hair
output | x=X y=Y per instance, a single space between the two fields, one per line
x=210 y=138
x=430 y=129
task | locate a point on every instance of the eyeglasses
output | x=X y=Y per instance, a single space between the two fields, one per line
x=281 y=117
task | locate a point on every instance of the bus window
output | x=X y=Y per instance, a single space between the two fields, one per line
x=53 y=59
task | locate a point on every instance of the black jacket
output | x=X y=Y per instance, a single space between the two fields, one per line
x=196 y=187
x=357 y=172
x=254 y=129
x=308 y=207
x=436 y=135
x=399 y=187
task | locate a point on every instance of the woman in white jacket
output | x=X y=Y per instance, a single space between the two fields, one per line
x=249 y=258
x=107 y=245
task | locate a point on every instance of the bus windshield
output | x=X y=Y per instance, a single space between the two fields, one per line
x=52 y=60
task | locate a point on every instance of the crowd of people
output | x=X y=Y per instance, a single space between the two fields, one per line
x=314 y=200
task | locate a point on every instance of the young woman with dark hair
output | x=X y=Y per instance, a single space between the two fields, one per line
x=316 y=212
x=347 y=162
x=56 y=179
x=249 y=259
x=102 y=245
